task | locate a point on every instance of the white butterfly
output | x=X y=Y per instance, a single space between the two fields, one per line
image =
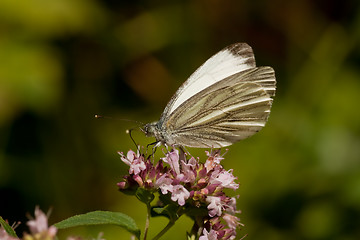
x=225 y=100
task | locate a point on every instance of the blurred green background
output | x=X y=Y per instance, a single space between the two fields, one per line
x=63 y=61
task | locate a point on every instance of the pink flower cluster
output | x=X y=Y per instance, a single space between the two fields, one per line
x=191 y=185
x=39 y=229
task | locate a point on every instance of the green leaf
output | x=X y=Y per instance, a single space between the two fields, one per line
x=128 y=191
x=194 y=212
x=165 y=198
x=101 y=217
x=169 y=211
x=7 y=228
x=144 y=195
x=158 y=211
x=191 y=237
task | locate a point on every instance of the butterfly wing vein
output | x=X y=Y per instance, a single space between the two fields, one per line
x=226 y=100
x=223 y=113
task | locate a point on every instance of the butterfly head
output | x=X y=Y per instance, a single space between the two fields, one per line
x=150 y=129
x=153 y=130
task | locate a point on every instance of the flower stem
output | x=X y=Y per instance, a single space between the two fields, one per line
x=196 y=229
x=147 y=223
x=166 y=228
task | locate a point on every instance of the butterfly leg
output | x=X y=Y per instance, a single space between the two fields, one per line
x=156 y=145
x=183 y=153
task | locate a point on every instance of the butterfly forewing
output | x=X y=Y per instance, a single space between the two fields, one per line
x=232 y=59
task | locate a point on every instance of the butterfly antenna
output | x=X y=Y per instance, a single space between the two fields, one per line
x=128 y=131
x=100 y=116
x=121 y=119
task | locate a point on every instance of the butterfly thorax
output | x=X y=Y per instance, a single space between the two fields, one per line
x=153 y=130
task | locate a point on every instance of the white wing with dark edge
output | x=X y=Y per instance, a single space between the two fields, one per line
x=232 y=109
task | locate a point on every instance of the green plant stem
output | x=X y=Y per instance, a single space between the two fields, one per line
x=147 y=224
x=196 y=229
x=166 y=228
